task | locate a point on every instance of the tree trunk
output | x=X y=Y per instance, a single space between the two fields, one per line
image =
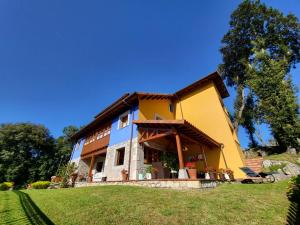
x=240 y=99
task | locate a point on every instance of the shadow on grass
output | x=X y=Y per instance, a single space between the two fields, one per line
x=33 y=213
x=293 y=217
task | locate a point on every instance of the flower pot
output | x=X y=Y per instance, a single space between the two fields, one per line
x=226 y=176
x=212 y=175
x=124 y=175
x=222 y=176
x=207 y=177
x=192 y=173
x=141 y=176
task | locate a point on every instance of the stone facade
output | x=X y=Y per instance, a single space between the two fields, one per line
x=113 y=171
x=83 y=167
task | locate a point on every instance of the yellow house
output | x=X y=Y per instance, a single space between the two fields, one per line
x=184 y=135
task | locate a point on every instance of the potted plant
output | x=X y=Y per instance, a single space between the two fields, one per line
x=212 y=174
x=221 y=174
x=124 y=175
x=229 y=174
x=148 y=172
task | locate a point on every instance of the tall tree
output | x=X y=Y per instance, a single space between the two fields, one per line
x=247 y=119
x=250 y=21
x=276 y=99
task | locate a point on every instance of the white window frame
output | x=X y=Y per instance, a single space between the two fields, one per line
x=122 y=115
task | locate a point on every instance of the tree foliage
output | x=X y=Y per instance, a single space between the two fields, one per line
x=29 y=153
x=253 y=21
x=276 y=99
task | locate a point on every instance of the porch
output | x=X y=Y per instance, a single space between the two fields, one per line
x=178 y=150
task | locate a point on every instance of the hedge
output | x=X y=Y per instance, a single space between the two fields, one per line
x=40 y=185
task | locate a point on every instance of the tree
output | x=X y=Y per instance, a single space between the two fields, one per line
x=29 y=153
x=250 y=21
x=276 y=99
x=26 y=152
x=247 y=119
x=64 y=145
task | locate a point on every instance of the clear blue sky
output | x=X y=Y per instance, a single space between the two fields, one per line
x=61 y=62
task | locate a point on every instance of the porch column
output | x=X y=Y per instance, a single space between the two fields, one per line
x=179 y=151
x=91 y=168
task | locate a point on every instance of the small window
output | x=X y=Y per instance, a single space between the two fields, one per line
x=100 y=135
x=120 y=156
x=124 y=120
x=171 y=107
x=151 y=155
x=158 y=117
x=99 y=166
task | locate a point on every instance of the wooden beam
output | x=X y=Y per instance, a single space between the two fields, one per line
x=179 y=151
x=91 y=168
x=157 y=136
x=189 y=138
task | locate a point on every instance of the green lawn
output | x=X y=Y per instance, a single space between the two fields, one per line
x=227 y=204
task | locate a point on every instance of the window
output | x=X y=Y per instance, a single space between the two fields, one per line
x=171 y=107
x=124 y=120
x=151 y=155
x=99 y=166
x=120 y=156
x=100 y=135
x=106 y=132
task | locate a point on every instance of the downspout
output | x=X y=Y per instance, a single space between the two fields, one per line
x=222 y=147
x=131 y=136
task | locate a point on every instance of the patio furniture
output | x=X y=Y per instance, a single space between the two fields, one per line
x=253 y=177
x=160 y=171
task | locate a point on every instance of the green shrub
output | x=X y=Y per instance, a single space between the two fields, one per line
x=40 y=185
x=6 y=186
x=66 y=172
x=275 y=168
x=293 y=192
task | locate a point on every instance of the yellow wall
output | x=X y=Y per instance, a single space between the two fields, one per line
x=148 y=108
x=203 y=108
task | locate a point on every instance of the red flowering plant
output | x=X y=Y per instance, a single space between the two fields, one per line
x=192 y=163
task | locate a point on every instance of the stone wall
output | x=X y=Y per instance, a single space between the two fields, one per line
x=112 y=171
x=83 y=167
x=172 y=184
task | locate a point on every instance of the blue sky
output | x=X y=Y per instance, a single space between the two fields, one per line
x=61 y=62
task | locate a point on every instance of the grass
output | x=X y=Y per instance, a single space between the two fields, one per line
x=284 y=157
x=227 y=204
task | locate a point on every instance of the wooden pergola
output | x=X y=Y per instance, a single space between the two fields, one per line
x=155 y=129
